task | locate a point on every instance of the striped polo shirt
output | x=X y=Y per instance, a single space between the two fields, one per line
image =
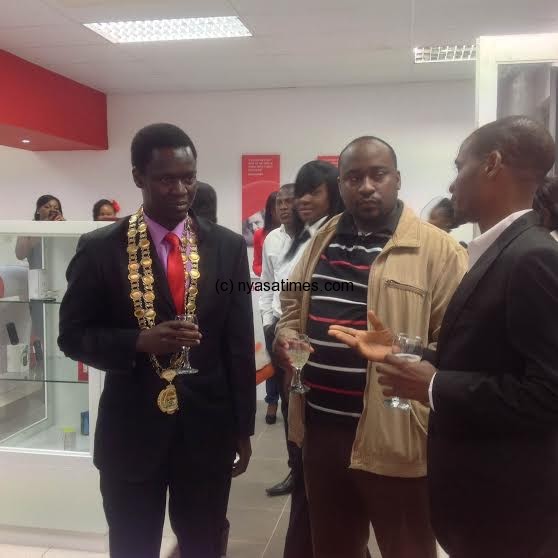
x=336 y=374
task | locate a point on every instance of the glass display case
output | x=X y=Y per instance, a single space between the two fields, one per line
x=44 y=396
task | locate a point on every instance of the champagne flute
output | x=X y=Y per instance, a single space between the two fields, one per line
x=410 y=349
x=299 y=352
x=186 y=367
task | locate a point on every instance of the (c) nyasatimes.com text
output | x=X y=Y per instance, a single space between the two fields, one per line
x=248 y=287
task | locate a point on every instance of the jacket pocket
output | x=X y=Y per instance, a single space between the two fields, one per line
x=393 y=284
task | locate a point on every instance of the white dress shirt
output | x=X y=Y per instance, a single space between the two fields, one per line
x=276 y=269
x=477 y=247
x=554 y=234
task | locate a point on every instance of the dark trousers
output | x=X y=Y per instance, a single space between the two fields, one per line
x=298 y=541
x=344 y=502
x=272 y=390
x=135 y=511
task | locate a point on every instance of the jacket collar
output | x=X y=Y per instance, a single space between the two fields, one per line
x=479 y=270
x=406 y=235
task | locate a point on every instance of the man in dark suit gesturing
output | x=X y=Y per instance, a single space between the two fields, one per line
x=493 y=432
x=159 y=428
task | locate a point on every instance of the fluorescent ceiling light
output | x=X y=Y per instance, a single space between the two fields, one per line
x=448 y=53
x=170 y=29
x=25 y=141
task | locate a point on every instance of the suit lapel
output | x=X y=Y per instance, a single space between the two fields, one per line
x=208 y=250
x=472 y=278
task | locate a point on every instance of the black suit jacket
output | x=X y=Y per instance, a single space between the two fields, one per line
x=493 y=437
x=97 y=326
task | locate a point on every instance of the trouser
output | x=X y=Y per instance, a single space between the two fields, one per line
x=135 y=511
x=344 y=502
x=272 y=390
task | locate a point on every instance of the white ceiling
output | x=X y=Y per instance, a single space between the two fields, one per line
x=296 y=43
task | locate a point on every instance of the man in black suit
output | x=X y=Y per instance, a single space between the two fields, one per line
x=493 y=389
x=158 y=430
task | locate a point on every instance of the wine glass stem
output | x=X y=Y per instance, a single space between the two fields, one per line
x=298 y=378
x=187 y=357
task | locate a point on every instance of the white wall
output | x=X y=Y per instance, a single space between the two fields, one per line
x=425 y=122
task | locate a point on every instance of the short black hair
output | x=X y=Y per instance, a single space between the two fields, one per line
x=524 y=144
x=98 y=205
x=368 y=139
x=205 y=202
x=445 y=207
x=158 y=136
x=43 y=200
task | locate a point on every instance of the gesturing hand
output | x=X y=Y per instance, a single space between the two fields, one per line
x=373 y=345
x=168 y=337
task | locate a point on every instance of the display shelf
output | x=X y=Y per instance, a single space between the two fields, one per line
x=50 y=228
x=56 y=301
x=59 y=369
x=41 y=391
x=51 y=439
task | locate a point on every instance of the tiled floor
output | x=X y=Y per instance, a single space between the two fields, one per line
x=258 y=523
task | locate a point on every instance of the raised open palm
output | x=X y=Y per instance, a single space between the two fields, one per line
x=373 y=345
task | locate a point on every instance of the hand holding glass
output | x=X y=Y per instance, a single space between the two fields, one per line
x=186 y=368
x=409 y=349
x=299 y=352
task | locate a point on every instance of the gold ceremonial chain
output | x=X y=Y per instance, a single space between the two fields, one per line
x=140 y=275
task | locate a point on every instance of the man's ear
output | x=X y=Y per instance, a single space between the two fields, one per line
x=398 y=180
x=138 y=179
x=493 y=164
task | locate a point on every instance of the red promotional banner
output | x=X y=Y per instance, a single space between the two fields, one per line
x=333 y=159
x=260 y=177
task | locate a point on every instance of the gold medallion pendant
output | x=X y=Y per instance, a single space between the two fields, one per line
x=168 y=400
x=142 y=294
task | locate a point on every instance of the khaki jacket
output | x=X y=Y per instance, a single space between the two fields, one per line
x=410 y=285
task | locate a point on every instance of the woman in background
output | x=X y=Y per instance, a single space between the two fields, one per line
x=271 y=221
x=106 y=210
x=546 y=203
x=47 y=208
x=317 y=199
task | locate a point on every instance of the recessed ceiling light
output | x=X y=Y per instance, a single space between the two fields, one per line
x=25 y=141
x=171 y=29
x=448 y=53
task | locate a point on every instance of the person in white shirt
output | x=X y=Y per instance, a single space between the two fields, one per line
x=546 y=203
x=274 y=248
x=493 y=432
x=316 y=200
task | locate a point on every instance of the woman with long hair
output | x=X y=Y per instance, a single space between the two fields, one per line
x=47 y=208
x=317 y=199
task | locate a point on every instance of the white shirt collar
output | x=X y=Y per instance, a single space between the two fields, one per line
x=478 y=246
x=554 y=234
x=312 y=229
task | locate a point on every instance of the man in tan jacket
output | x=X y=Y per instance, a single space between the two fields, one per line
x=365 y=463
